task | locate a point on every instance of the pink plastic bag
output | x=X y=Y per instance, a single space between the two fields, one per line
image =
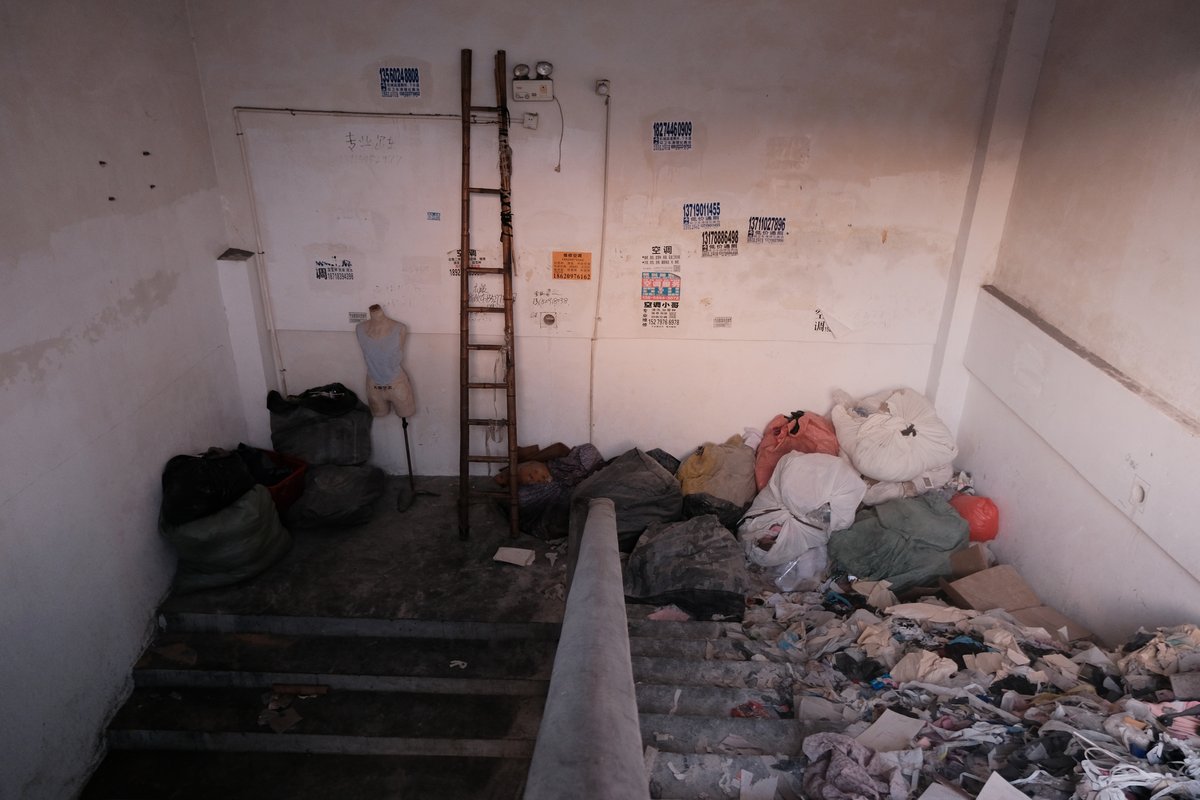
x=802 y=431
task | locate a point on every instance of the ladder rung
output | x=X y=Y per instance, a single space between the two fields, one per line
x=478 y=190
x=485 y=309
x=491 y=492
x=486 y=270
x=489 y=459
x=485 y=347
x=487 y=385
x=487 y=422
x=488 y=109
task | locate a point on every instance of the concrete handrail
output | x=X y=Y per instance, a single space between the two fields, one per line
x=589 y=745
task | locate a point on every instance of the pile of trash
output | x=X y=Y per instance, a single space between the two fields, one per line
x=929 y=695
x=997 y=695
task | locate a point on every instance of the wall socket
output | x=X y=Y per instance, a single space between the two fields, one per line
x=530 y=121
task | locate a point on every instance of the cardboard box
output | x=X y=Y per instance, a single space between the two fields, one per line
x=997 y=587
x=1003 y=587
x=969 y=560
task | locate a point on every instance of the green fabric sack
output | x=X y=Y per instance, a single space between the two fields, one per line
x=906 y=541
x=236 y=543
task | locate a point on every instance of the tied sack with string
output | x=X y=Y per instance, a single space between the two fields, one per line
x=892 y=435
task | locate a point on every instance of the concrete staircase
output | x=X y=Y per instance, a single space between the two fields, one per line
x=690 y=677
x=234 y=706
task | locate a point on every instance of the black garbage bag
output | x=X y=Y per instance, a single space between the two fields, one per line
x=697 y=504
x=262 y=468
x=337 y=497
x=546 y=507
x=235 y=543
x=197 y=486
x=697 y=564
x=323 y=425
x=642 y=493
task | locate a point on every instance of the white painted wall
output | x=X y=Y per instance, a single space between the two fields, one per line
x=857 y=122
x=114 y=356
x=1102 y=239
x=1100 y=243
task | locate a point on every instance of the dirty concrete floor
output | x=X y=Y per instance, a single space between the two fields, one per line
x=402 y=724
x=409 y=565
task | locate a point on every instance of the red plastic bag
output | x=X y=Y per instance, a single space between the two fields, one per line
x=981 y=515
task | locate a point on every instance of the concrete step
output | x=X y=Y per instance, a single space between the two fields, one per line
x=723 y=649
x=761 y=675
x=308 y=776
x=684 y=776
x=365 y=655
x=709 y=701
x=357 y=626
x=375 y=723
x=728 y=736
x=654 y=629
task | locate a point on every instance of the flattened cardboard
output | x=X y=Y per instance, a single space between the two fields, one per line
x=1053 y=621
x=997 y=587
x=969 y=560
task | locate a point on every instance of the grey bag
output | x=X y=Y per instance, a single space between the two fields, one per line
x=323 y=425
x=696 y=564
x=236 y=543
x=642 y=493
x=337 y=497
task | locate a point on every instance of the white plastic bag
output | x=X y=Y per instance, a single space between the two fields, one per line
x=809 y=495
x=893 y=435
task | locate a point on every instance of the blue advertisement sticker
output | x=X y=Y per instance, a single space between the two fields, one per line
x=701 y=215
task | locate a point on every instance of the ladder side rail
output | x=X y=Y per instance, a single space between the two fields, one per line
x=464 y=334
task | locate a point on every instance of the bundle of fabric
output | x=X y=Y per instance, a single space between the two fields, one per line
x=201 y=485
x=695 y=564
x=798 y=432
x=721 y=470
x=906 y=541
x=896 y=441
x=642 y=493
x=546 y=505
x=809 y=495
x=892 y=435
x=718 y=479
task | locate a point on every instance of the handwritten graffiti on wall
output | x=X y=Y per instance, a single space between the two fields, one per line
x=334 y=269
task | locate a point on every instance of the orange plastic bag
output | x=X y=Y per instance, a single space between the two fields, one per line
x=981 y=515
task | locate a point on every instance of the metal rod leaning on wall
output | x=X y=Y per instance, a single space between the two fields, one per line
x=260 y=263
x=589 y=744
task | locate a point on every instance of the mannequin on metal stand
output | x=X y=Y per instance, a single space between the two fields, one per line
x=389 y=390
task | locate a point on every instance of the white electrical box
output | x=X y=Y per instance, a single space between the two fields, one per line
x=540 y=89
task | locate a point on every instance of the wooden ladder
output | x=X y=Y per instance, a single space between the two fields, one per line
x=505 y=352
